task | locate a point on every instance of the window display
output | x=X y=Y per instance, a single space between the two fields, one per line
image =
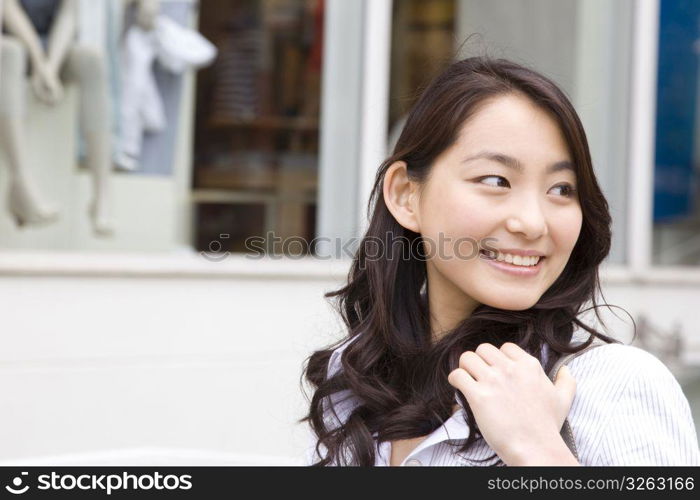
x=52 y=62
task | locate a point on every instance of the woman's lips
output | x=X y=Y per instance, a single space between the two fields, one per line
x=513 y=269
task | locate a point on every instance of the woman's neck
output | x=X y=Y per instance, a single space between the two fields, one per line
x=448 y=305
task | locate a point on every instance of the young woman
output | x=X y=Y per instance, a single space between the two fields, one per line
x=486 y=233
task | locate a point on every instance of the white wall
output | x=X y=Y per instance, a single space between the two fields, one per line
x=205 y=367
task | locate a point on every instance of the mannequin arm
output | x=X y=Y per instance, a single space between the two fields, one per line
x=19 y=25
x=62 y=34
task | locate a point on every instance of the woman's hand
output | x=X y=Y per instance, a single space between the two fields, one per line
x=519 y=411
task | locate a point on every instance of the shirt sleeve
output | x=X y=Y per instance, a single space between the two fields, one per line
x=341 y=405
x=651 y=423
x=310 y=454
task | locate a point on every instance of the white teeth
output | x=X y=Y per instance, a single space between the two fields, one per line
x=517 y=260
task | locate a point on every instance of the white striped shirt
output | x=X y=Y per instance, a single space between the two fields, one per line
x=628 y=410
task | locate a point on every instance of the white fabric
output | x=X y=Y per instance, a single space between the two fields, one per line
x=180 y=48
x=628 y=410
x=141 y=104
x=141 y=109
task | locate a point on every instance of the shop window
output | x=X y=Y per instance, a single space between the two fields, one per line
x=676 y=213
x=257 y=122
x=422 y=41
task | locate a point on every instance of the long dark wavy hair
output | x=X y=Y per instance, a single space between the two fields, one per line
x=394 y=368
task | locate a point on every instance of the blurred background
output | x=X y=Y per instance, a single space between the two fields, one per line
x=152 y=331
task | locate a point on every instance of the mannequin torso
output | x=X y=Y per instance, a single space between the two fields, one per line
x=41 y=13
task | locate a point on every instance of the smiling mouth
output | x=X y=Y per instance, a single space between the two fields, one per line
x=485 y=255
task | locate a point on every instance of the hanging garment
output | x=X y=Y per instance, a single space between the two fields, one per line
x=141 y=108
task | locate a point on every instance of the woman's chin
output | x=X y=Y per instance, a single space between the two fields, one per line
x=512 y=303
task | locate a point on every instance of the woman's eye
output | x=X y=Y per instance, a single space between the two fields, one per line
x=495 y=180
x=569 y=191
x=566 y=190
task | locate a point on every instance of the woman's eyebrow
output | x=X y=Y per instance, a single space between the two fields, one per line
x=515 y=164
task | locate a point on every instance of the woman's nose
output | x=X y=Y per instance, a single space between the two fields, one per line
x=528 y=220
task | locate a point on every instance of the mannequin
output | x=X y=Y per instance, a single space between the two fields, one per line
x=24 y=202
x=44 y=33
x=146 y=13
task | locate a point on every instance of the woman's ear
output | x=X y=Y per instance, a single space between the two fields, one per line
x=401 y=196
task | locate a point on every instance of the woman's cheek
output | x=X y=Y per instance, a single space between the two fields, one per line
x=568 y=228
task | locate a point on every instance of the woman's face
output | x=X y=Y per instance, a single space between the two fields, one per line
x=506 y=185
